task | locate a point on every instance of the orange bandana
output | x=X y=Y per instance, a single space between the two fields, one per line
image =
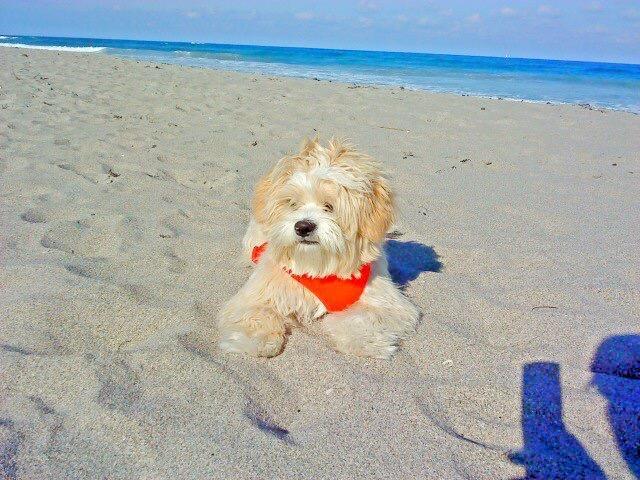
x=335 y=293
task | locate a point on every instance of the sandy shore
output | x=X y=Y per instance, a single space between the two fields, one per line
x=124 y=193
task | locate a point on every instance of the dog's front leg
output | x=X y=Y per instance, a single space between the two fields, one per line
x=357 y=331
x=256 y=330
x=375 y=325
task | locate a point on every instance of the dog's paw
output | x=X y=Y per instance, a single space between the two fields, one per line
x=363 y=344
x=382 y=350
x=357 y=333
x=379 y=351
x=258 y=345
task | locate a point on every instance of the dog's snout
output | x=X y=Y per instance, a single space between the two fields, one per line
x=304 y=227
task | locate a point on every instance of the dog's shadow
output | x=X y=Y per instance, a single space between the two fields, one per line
x=407 y=260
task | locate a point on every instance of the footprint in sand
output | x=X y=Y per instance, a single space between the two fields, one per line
x=88 y=172
x=253 y=382
x=34 y=216
x=120 y=386
x=81 y=271
x=88 y=238
x=175 y=264
x=91 y=269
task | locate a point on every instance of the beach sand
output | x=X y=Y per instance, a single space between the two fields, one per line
x=124 y=193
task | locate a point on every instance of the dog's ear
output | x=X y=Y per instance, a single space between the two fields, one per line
x=268 y=185
x=309 y=146
x=261 y=197
x=378 y=214
x=339 y=148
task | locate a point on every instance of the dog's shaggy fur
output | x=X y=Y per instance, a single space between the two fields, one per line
x=343 y=193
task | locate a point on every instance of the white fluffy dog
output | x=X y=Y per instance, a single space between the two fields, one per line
x=319 y=220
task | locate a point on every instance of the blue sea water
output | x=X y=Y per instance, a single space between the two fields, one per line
x=608 y=85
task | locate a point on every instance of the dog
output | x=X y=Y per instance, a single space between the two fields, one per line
x=316 y=235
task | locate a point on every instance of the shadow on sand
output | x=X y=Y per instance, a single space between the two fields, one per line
x=407 y=260
x=550 y=450
x=616 y=373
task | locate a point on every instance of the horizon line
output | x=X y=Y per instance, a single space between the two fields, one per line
x=330 y=48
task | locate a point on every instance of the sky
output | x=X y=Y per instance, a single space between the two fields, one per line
x=600 y=30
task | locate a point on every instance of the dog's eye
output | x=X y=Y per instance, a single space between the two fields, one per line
x=328 y=207
x=293 y=204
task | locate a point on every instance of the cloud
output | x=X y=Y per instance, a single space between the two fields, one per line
x=368 y=5
x=192 y=14
x=597 y=29
x=475 y=18
x=305 y=16
x=594 y=7
x=507 y=12
x=631 y=14
x=548 y=11
x=365 y=22
x=627 y=38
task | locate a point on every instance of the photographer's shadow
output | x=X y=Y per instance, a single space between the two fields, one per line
x=407 y=260
x=550 y=450
x=616 y=373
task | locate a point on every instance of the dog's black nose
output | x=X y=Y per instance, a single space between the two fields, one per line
x=304 y=227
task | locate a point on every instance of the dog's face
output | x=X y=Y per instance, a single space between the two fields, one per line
x=324 y=211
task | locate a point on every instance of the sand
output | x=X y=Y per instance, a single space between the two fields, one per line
x=124 y=193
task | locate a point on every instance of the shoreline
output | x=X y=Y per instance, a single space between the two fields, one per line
x=143 y=55
x=587 y=106
x=390 y=86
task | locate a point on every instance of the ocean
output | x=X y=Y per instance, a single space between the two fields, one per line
x=601 y=85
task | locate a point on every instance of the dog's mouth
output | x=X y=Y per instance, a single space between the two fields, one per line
x=308 y=242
